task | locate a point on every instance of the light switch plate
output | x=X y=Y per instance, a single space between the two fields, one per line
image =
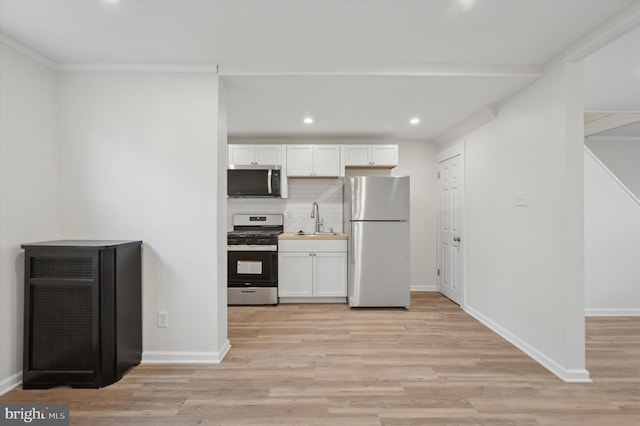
x=163 y=319
x=521 y=199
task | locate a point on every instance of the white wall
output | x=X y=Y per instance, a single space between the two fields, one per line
x=525 y=264
x=416 y=159
x=139 y=159
x=220 y=221
x=621 y=156
x=28 y=188
x=612 y=243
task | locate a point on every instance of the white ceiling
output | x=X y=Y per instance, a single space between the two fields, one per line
x=612 y=76
x=440 y=60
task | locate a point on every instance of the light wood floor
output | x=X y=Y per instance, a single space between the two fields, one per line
x=330 y=365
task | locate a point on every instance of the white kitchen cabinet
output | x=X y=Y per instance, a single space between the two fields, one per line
x=241 y=154
x=313 y=270
x=300 y=160
x=330 y=275
x=254 y=155
x=295 y=276
x=371 y=155
x=313 y=160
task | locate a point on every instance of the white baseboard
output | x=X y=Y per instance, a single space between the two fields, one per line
x=312 y=300
x=567 y=374
x=181 y=357
x=424 y=288
x=11 y=382
x=615 y=312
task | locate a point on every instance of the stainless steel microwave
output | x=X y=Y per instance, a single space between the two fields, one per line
x=253 y=181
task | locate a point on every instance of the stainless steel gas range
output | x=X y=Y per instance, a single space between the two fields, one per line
x=252 y=259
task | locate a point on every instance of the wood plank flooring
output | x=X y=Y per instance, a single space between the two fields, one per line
x=331 y=365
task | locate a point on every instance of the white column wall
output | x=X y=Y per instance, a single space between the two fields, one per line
x=221 y=217
x=525 y=264
x=140 y=159
x=28 y=188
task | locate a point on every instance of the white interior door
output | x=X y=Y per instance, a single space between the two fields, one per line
x=451 y=277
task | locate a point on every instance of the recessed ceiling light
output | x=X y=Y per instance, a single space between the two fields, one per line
x=467 y=4
x=308 y=120
x=111 y=1
x=414 y=121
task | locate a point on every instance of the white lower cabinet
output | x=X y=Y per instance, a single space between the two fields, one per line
x=313 y=269
x=330 y=274
x=295 y=275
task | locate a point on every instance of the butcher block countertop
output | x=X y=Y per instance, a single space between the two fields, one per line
x=296 y=236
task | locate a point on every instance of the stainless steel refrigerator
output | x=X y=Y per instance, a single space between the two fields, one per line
x=377 y=220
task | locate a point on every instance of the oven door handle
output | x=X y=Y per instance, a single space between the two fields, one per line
x=247 y=291
x=241 y=247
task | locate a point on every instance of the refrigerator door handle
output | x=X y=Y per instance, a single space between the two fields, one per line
x=351 y=244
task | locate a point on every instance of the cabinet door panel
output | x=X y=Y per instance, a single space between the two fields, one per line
x=327 y=160
x=357 y=155
x=384 y=155
x=295 y=275
x=330 y=273
x=241 y=154
x=300 y=160
x=268 y=155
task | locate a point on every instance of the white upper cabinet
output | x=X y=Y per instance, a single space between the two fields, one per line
x=269 y=154
x=253 y=155
x=357 y=155
x=384 y=155
x=300 y=160
x=313 y=160
x=371 y=155
x=327 y=160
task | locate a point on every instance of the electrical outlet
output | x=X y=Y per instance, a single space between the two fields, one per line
x=163 y=319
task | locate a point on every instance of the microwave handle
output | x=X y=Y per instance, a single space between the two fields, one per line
x=269 y=182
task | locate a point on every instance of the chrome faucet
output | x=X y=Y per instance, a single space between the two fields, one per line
x=315 y=213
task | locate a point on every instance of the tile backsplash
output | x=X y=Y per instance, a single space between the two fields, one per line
x=297 y=208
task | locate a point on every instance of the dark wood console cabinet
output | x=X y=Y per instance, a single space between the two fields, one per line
x=82 y=312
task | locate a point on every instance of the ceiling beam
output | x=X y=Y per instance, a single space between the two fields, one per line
x=30 y=53
x=474 y=121
x=604 y=34
x=378 y=70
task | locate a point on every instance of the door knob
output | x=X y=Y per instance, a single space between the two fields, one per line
x=456 y=239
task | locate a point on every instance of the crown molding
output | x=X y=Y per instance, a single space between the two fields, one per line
x=379 y=70
x=606 y=33
x=614 y=138
x=472 y=122
x=19 y=47
x=41 y=59
x=167 y=68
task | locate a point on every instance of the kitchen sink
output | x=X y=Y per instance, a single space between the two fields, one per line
x=311 y=234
